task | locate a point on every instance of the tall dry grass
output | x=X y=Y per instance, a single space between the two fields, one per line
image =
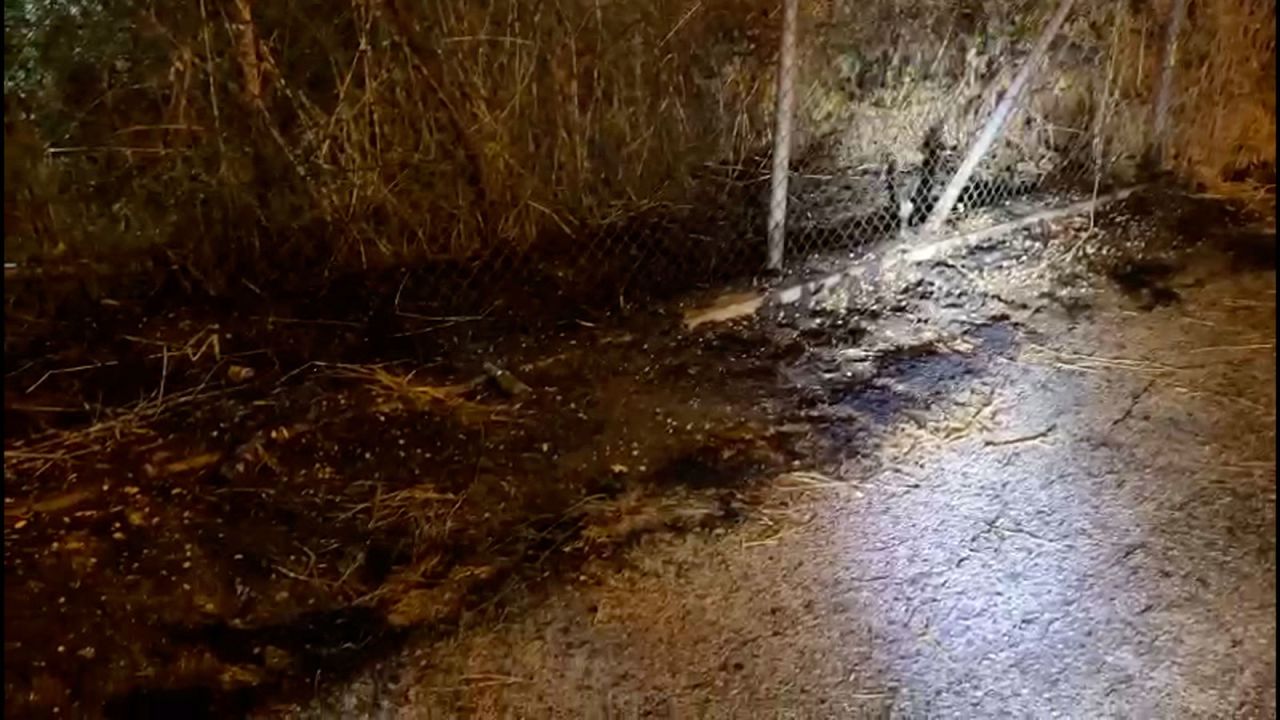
x=883 y=73
x=882 y=76
x=1225 y=112
x=380 y=132
x=258 y=140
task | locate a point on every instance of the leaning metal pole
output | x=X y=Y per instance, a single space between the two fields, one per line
x=1165 y=93
x=782 y=135
x=995 y=124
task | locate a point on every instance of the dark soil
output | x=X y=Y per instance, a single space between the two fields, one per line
x=1069 y=511
x=222 y=502
x=209 y=505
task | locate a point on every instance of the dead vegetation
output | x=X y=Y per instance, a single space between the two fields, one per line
x=317 y=513
x=313 y=512
x=390 y=134
x=249 y=145
x=1224 y=133
x=270 y=485
x=401 y=392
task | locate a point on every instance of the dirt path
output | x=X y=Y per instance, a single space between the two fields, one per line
x=1067 y=513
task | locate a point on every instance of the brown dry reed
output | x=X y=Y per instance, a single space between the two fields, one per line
x=264 y=140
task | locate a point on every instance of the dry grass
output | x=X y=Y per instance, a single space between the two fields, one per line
x=259 y=142
x=1226 y=114
x=879 y=78
x=401 y=389
x=132 y=426
x=877 y=81
x=399 y=133
x=616 y=522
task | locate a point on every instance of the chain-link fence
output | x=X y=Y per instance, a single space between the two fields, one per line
x=503 y=155
x=870 y=119
x=880 y=136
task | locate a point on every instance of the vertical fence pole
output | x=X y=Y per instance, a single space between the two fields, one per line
x=782 y=135
x=1164 y=94
x=995 y=124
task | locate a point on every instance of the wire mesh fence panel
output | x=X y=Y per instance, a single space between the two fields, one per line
x=890 y=98
x=503 y=154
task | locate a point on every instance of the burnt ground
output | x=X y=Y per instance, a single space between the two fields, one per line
x=239 y=535
x=901 y=499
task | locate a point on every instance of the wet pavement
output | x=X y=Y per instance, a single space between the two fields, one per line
x=1067 y=514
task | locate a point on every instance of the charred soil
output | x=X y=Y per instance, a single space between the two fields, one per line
x=211 y=506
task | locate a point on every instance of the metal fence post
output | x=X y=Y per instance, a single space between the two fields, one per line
x=995 y=124
x=782 y=135
x=1164 y=94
